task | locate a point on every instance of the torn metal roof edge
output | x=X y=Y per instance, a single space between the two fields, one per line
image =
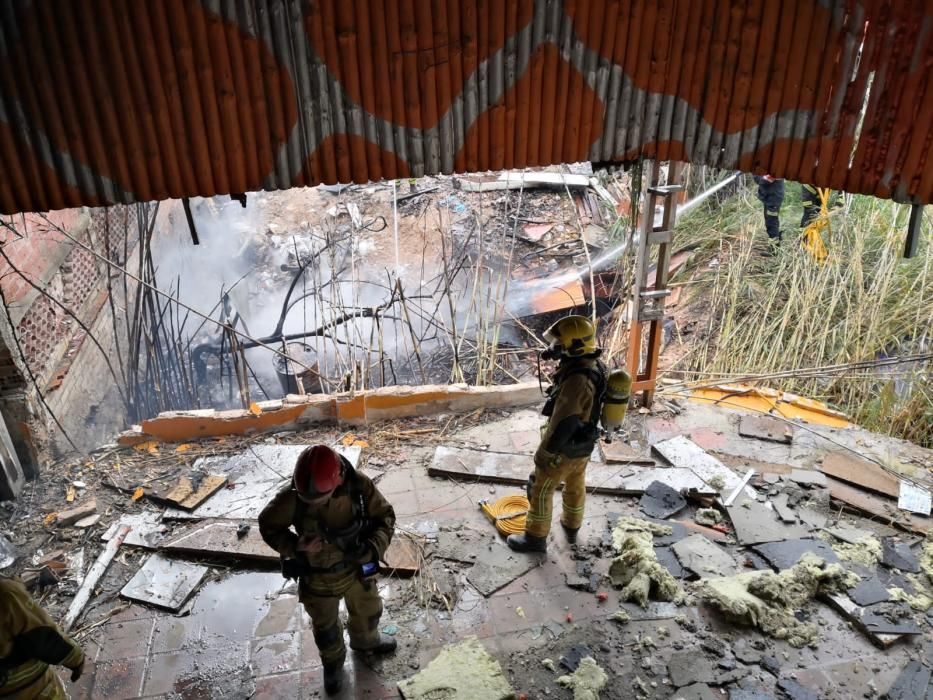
x=247 y=96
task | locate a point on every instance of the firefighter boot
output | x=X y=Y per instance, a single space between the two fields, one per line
x=570 y=533
x=527 y=543
x=386 y=645
x=333 y=679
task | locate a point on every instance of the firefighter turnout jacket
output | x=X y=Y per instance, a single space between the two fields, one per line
x=30 y=642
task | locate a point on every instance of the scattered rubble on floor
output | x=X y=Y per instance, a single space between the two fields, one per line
x=463 y=671
x=708 y=516
x=770 y=601
x=636 y=567
x=866 y=551
x=586 y=681
x=449 y=574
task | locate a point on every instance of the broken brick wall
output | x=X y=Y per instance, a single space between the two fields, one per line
x=52 y=340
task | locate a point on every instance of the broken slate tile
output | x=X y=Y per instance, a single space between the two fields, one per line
x=812 y=517
x=498 y=567
x=791 y=689
x=869 y=592
x=771 y=665
x=736 y=674
x=849 y=535
x=898 y=555
x=746 y=654
x=807 y=477
x=750 y=694
x=913 y=682
x=783 y=509
x=678 y=532
x=783 y=555
x=704 y=558
x=687 y=667
x=754 y=523
x=697 y=691
x=661 y=501
x=574 y=655
x=464 y=544
x=670 y=562
x=875 y=621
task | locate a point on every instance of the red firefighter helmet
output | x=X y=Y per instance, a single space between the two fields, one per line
x=317 y=471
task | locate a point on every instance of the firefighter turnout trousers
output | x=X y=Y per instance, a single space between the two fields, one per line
x=550 y=472
x=321 y=597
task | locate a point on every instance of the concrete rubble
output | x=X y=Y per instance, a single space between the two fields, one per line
x=784 y=592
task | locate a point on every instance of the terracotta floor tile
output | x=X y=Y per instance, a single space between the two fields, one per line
x=119 y=680
x=276 y=653
x=124 y=640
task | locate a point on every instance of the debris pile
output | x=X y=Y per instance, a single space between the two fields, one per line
x=771 y=601
x=636 y=568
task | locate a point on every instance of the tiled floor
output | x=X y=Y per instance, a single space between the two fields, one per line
x=247 y=635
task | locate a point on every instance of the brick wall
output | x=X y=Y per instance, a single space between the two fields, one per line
x=71 y=370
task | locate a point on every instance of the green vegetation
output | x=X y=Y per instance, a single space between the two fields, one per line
x=790 y=314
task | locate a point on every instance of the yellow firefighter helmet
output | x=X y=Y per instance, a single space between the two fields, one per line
x=572 y=336
x=615 y=401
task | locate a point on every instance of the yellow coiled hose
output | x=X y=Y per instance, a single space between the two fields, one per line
x=507 y=514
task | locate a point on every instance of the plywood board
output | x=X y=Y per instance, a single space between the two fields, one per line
x=255 y=476
x=404 y=555
x=854 y=470
x=878 y=507
x=218 y=539
x=619 y=452
x=188 y=494
x=165 y=583
x=465 y=464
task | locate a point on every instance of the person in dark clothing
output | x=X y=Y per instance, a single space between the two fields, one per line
x=771 y=195
x=810 y=199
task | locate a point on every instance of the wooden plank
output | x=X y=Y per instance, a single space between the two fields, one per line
x=765 y=428
x=183 y=494
x=855 y=470
x=878 y=507
x=619 y=452
x=70 y=517
x=404 y=555
x=464 y=464
x=218 y=539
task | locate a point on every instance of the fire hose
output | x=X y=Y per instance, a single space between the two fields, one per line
x=507 y=514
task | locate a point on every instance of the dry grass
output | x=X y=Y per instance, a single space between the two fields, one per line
x=788 y=313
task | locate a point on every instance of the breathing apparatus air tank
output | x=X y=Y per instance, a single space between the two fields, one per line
x=615 y=403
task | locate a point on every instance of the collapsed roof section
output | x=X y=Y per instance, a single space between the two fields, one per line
x=178 y=100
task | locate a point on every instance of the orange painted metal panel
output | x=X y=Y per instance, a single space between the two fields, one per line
x=104 y=101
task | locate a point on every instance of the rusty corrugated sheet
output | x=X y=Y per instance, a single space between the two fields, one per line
x=105 y=101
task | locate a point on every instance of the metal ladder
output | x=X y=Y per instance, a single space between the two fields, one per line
x=646 y=305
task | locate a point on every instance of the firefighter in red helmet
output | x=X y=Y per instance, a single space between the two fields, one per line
x=331 y=527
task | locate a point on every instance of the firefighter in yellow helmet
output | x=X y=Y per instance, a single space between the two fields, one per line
x=331 y=527
x=574 y=403
x=30 y=644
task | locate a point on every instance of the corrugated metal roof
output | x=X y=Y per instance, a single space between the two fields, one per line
x=105 y=101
